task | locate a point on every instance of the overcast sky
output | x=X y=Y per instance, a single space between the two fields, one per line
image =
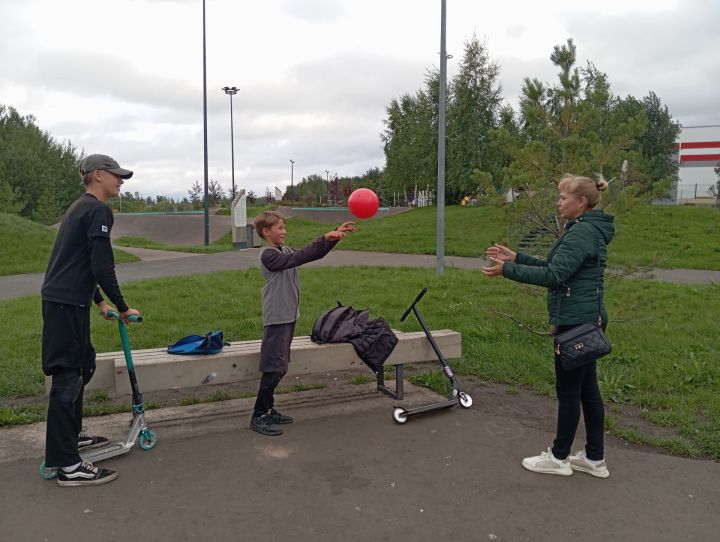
x=124 y=77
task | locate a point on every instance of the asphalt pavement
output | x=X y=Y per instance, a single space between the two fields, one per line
x=345 y=472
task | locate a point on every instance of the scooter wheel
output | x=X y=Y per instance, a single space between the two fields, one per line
x=465 y=400
x=148 y=440
x=48 y=473
x=399 y=416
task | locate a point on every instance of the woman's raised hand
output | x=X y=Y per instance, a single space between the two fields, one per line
x=500 y=252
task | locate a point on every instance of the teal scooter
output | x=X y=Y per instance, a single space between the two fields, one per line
x=138 y=427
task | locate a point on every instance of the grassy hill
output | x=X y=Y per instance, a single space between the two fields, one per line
x=26 y=246
x=669 y=237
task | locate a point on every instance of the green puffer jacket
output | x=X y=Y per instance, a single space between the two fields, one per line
x=570 y=271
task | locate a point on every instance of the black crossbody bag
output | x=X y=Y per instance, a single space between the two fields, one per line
x=585 y=343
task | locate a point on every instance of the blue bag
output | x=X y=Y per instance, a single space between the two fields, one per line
x=211 y=343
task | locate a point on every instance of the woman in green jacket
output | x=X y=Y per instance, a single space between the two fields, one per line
x=570 y=273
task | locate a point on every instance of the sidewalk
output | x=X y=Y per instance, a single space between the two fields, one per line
x=162 y=265
x=344 y=471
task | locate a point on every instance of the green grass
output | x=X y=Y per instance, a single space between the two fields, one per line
x=224 y=244
x=665 y=338
x=468 y=231
x=682 y=237
x=26 y=246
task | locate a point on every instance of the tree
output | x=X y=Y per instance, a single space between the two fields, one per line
x=573 y=126
x=32 y=162
x=473 y=111
x=410 y=138
x=215 y=192
x=715 y=188
x=10 y=200
x=195 y=193
x=269 y=198
x=251 y=197
x=47 y=210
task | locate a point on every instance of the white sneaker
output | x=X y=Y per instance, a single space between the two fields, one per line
x=546 y=463
x=580 y=463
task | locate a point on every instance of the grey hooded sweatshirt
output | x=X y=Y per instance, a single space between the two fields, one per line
x=281 y=293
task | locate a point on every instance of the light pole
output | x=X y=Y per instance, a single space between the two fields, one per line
x=205 y=146
x=231 y=91
x=440 y=243
x=327 y=177
x=292 y=192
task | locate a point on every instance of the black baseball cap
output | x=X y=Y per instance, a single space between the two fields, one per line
x=104 y=162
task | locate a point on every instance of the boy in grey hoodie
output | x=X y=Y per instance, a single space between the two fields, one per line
x=281 y=309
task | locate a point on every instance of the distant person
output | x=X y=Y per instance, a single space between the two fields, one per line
x=570 y=274
x=281 y=309
x=81 y=259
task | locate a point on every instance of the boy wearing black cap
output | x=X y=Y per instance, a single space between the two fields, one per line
x=81 y=260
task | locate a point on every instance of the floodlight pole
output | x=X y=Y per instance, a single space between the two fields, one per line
x=231 y=91
x=205 y=145
x=440 y=242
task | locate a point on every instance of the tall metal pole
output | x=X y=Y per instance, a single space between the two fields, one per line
x=440 y=243
x=205 y=147
x=292 y=165
x=231 y=91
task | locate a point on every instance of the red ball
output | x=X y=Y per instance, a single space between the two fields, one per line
x=363 y=203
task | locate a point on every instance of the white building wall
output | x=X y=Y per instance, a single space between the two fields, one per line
x=696 y=176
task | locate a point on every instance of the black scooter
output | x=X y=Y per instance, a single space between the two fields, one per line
x=401 y=415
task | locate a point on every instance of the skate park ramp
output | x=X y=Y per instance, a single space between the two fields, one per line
x=170 y=228
x=329 y=215
x=188 y=228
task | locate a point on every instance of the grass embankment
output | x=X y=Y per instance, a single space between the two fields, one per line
x=682 y=237
x=26 y=246
x=224 y=244
x=664 y=359
x=669 y=237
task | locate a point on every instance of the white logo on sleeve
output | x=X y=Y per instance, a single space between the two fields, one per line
x=104 y=229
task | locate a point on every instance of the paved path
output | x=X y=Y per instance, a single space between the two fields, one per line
x=164 y=264
x=344 y=471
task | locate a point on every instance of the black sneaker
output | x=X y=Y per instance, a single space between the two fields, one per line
x=85 y=440
x=265 y=426
x=85 y=475
x=280 y=419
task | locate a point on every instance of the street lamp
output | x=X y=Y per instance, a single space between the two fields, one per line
x=205 y=144
x=292 y=192
x=231 y=91
x=440 y=233
x=327 y=177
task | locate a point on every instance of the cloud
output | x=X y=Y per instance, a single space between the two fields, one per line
x=314 y=11
x=672 y=52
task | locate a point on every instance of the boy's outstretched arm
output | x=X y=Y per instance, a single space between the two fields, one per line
x=276 y=260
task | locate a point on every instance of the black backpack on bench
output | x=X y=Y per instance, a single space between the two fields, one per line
x=373 y=340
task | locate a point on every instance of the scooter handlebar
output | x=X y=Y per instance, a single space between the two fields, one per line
x=418 y=298
x=132 y=318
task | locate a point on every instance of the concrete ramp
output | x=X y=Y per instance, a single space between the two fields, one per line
x=174 y=229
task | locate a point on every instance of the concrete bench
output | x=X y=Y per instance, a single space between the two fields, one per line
x=158 y=370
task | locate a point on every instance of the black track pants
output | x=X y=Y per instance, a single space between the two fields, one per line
x=578 y=390
x=266 y=394
x=69 y=358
